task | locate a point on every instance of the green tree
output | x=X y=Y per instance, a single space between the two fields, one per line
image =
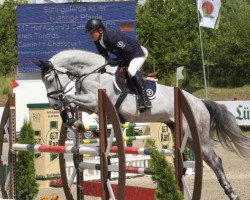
x=227 y=48
x=169 y=29
x=27 y=187
x=8 y=37
x=163 y=176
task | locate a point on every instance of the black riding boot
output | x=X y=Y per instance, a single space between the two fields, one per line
x=140 y=86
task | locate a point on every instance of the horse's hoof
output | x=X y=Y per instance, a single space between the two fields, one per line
x=234 y=197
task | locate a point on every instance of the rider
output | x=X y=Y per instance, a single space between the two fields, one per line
x=127 y=50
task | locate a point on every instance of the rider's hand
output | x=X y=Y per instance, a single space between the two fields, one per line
x=113 y=62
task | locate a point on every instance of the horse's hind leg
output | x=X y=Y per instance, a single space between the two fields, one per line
x=215 y=163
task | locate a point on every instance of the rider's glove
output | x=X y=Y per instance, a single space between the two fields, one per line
x=113 y=62
x=102 y=70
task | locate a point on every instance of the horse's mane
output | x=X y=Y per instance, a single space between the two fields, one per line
x=76 y=57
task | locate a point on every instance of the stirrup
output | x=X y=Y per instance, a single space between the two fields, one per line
x=146 y=102
x=142 y=105
x=145 y=105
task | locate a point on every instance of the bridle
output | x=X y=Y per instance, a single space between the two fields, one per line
x=59 y=93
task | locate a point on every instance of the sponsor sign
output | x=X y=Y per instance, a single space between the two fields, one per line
x=46 y=29
x=240 y=109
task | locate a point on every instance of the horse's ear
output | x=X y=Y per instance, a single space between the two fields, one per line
x=43 y=64
x=46 y=64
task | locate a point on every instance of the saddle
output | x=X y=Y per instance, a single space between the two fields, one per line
x=125 y=86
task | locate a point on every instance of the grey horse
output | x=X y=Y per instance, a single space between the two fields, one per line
x=83 y=67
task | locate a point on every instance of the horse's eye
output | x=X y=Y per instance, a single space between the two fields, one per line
x=48 y=77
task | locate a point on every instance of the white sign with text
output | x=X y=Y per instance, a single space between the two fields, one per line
x=240 y=109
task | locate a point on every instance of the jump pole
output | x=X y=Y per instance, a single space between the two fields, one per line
x=89 y=127
x=94 y=151
x=126 y=139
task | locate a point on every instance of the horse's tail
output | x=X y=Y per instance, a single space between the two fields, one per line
x=224 y=125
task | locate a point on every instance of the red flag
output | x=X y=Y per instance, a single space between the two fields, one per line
x=14 y=84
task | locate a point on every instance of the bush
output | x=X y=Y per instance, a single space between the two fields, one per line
x=27 y=187
x=164 y=176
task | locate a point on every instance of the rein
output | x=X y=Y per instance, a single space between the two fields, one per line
x=101 y=69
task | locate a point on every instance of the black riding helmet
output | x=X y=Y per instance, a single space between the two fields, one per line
x=94 y=24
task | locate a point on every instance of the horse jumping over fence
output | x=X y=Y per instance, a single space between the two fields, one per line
x=84 y=68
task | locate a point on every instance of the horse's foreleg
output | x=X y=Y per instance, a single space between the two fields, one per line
x=85 y=102
x=215 y=163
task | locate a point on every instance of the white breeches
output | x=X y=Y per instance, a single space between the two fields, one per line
x=137 y=63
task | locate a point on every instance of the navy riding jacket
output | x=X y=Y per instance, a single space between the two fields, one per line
x=119 y=44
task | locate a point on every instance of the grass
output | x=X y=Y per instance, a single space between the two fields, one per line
x=224 y=94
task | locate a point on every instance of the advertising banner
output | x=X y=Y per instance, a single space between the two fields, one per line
x=46 y=29
x=240 y=109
